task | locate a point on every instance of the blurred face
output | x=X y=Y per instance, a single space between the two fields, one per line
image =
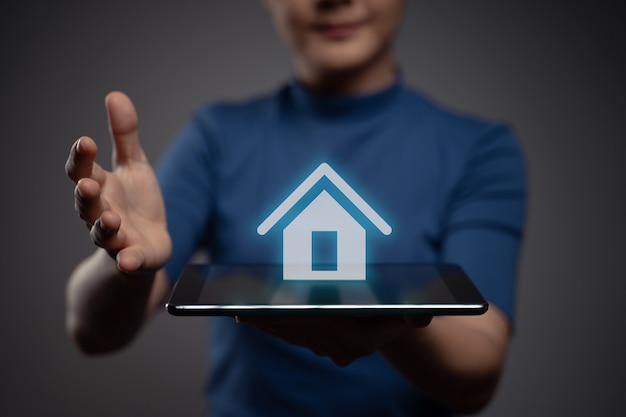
x=330 y=37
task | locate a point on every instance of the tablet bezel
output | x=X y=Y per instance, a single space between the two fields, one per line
x=183 y=300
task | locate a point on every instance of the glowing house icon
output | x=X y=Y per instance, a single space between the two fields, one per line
x=323 y=208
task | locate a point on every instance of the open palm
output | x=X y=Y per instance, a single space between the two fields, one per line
x=123 y=208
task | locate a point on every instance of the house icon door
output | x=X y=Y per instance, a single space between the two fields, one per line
x=325 y=229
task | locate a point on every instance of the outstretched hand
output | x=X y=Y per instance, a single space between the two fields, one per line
x=123 y=208
x=342 y=339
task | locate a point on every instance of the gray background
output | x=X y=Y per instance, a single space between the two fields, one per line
x=555 y=70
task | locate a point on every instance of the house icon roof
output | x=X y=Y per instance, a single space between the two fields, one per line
x=323 y=170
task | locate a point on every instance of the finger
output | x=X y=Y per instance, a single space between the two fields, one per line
x=105 y=231
x=418 y=321
x=80 y=162
x=245 y=320
x=123 y=128
x=342 y=360
x=87 y=200
x=129 y=259
x=262 y=323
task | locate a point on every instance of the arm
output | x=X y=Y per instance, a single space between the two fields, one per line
x=456 y=360
x=113 y=292
x=107 y=307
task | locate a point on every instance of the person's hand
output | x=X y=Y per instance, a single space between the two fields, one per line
x=342 y=339
x=123 y=209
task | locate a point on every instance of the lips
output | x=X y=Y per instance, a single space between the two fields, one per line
x=337 y=31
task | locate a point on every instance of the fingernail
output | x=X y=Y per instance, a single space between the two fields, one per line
x=102 y=226
x=78 y=145
x=80 y=194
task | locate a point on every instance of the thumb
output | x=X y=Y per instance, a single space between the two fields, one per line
x=418 y=321
x=123 y=128
x=129 y=260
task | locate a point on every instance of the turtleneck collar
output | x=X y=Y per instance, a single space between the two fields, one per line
x=345 y=106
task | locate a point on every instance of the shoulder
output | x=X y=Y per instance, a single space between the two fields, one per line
x=236 y=114
x=464 y=137
x=447 y=122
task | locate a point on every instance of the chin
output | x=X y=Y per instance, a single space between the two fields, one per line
x=344 y=58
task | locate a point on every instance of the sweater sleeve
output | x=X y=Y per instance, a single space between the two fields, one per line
x=485 y=216
x=184 y=174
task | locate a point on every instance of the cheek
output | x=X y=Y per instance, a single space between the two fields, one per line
x=288 y=19
x=297 y=37
x=389 y=14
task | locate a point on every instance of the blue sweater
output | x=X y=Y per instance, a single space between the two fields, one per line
x=452 y=188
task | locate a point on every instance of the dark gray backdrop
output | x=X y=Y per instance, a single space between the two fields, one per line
x=556 y=72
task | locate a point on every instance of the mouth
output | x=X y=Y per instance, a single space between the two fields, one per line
x=336 y=31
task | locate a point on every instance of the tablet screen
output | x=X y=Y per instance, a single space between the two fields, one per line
x=387 y=290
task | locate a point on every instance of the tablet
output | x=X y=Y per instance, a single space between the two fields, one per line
x=388 y=290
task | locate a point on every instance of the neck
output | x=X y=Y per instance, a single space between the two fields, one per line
x=370 y=77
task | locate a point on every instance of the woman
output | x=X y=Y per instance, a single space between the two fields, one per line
x=454 y=185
